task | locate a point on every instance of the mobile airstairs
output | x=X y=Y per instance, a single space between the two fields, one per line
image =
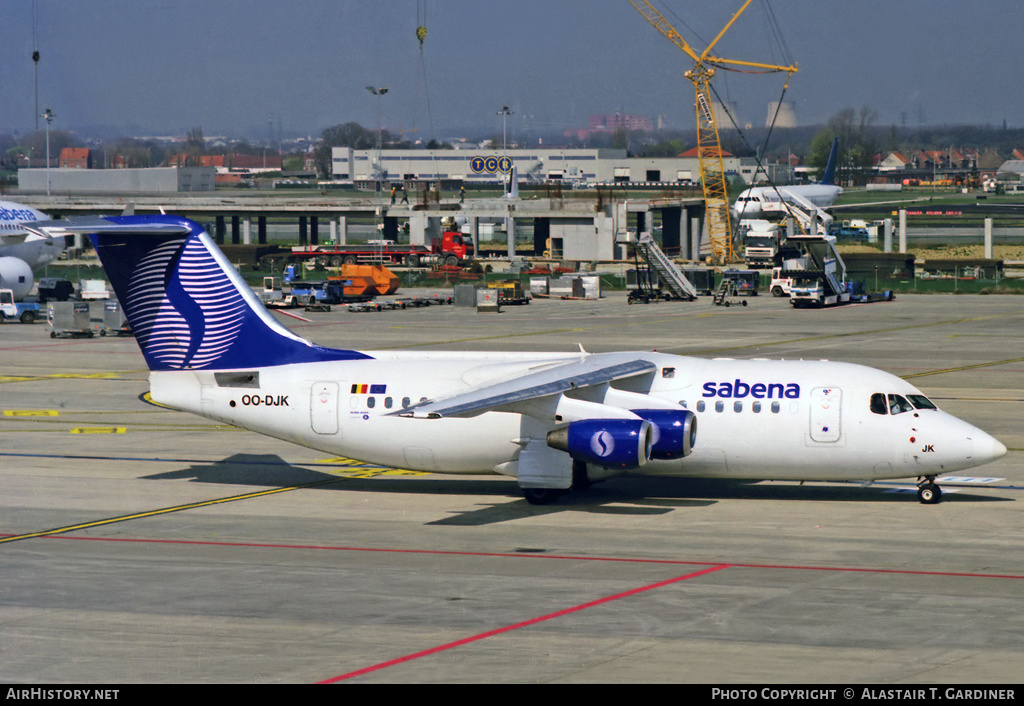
x=670 y=277
x=810 y=218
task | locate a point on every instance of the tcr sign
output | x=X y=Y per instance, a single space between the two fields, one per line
x=490 y=165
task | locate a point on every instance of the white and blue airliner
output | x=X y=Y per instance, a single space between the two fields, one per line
x=552 y=421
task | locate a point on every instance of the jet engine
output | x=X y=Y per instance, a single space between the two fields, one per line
x=611 y=443
x=16 y=275
x=675 y=431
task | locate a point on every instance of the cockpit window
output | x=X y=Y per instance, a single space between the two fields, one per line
x=898 y=404
x=878 y=404
x=921 y=402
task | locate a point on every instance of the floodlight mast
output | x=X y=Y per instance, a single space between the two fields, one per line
x=709 y=145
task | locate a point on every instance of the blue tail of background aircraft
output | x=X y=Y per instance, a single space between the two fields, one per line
x=829 y=176
x=187 y=305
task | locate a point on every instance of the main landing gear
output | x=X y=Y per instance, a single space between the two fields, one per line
x=546 y=496
x=928 y=493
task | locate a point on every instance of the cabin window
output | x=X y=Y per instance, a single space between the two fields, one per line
x=388 y=402
x=700 y=405
x=719 y=406
x=756 y=407
x=737 y=406
x=405 y=403
x=775 y=407
x=371 y=402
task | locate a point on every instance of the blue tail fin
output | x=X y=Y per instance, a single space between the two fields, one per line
x=187 y=305
x=829 y=177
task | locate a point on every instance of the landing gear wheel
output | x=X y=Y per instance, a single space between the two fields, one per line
x=929 y=494
x=541 y=496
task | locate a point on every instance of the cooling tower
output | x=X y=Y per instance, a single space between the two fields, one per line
x=725 y=113
x=786 y=114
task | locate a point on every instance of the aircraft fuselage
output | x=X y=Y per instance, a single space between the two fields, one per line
x=756 y=419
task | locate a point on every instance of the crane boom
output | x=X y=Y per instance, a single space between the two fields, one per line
x=709 y=145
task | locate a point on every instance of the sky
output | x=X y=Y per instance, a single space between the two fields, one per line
x=259 y=67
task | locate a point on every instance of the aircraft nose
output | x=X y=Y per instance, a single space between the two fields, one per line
x=985 y=448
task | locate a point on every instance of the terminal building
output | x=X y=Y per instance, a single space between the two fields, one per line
x=480 y=166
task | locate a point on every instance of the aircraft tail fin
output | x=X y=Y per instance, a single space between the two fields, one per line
x=187 y=305
x=829 y=177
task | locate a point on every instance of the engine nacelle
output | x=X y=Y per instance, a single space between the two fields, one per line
x=675 y=431
x=611 y=443
x=16 y=275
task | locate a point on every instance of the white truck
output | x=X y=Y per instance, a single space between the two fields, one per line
x=27 y=312
x=90 y=289
x=821 y=280
x=782 y=277
x=763 y=240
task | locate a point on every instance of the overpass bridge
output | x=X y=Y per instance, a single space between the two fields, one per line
x=584 y=228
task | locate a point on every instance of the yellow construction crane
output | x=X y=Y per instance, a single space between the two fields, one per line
x=709 y=146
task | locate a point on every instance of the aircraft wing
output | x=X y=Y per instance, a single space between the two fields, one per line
x=70 y=226
x=834 y=207
x=503 y=396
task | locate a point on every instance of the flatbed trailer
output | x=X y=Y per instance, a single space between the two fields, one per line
x=450 y=249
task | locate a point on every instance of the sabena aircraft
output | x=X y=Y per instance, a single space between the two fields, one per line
x=756 y=201
x=552 y=421
x=22 y=251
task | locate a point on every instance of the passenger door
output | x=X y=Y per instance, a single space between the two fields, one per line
x=826 y=403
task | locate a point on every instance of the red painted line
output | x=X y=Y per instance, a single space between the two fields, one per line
x=294 y=316
x=711 y=567
x=58 y=344
x=517 y=626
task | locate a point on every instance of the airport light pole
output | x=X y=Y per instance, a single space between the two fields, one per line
x=380 y=129
x=504 y=113
x=49 y=116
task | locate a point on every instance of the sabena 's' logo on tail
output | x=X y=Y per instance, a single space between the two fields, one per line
x=188 y=306
x=184 y=311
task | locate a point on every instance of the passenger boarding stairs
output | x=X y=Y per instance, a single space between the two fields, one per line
x=722 y=292
x=810 y=218
x=669 y=275
x=824 y=261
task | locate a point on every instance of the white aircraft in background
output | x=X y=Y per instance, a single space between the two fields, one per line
x=751 y=203
x=22 y=251
x=552 y=421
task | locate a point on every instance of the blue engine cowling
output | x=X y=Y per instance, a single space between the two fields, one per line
x=675 y=431
x=611 y=443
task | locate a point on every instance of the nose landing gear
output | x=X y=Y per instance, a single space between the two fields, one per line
x=928 y=493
